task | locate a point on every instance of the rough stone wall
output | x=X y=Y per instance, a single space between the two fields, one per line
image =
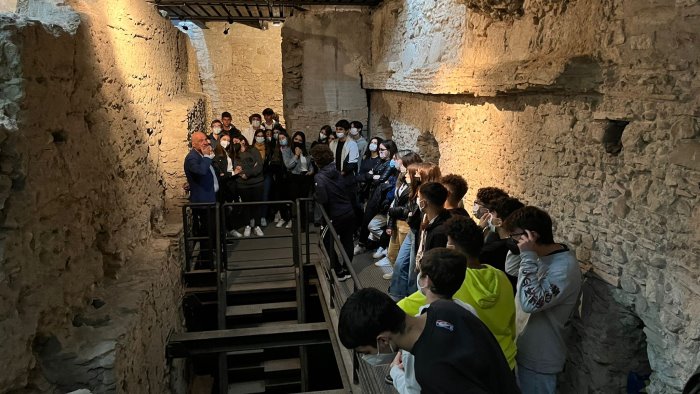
x=553 y=85
x=325 y=51
x=241 y=72
x=83 y=115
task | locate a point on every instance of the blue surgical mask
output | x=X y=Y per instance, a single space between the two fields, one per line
x=392 y=163
x=283 y=142
x=380 y=358
x=372 y=147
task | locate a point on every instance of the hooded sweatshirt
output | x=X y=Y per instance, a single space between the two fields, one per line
x=332 y=192
x=488 y=290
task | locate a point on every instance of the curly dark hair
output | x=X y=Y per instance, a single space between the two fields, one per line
x=446 y=269
x=504 y=206
x=343 y=123
x=487 y=194
x=533 y=219
x=456 y=185
x=466 y=235
x=322 y=155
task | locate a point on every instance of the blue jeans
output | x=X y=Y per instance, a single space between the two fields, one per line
x=532 y=382
x=412 y=285
x=400 y=278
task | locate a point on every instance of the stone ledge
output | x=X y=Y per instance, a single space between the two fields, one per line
x=579 y=74
x=118 y=342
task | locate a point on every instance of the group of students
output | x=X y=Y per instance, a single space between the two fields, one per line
x=505 y=260
x=411 y=217
x=261 y=163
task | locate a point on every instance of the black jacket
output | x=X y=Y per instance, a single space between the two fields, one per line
x=332 y=192
x=399 y=211
x=436 y=232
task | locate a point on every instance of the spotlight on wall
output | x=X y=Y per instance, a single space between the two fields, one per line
x=184 y=27
x=226 y=31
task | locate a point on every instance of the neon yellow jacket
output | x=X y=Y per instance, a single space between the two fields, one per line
x=488 y=290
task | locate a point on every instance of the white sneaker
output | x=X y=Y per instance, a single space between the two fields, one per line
x=258 y=231
x=381 y=252
x=387 y=270
x=385 y=262
x=263 y=222
x=288 y=225
x=359 y=249
x=234 y=233
x=246 y=232
x=279 y=224
x=388 y=276
x=277 y=217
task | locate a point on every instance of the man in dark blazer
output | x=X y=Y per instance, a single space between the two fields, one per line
x=203 y=185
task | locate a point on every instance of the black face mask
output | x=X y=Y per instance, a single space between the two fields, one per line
x=298 y=145
x=512 y=246
x=236 y=147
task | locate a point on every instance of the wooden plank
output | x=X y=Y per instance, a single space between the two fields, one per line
x=262 y=286
x=282 y=365
x=256 y=309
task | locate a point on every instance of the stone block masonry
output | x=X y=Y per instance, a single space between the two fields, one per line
x=325 y=52
x=525 y=99
x=241 y=72
x=94 y=116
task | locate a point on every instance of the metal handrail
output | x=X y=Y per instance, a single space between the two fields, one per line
x=347 y=262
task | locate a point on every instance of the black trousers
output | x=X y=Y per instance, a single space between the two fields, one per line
x=250 y=194
x=298 y=186
x=345 y=227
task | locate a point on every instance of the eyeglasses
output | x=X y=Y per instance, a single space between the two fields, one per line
x=516 y=236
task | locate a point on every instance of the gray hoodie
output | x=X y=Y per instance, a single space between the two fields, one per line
x=548 y=289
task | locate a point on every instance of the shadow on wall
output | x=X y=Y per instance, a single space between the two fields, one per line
x=94 y=188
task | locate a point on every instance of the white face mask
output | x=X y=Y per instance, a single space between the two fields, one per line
x=492 y=226
x=380 y=358
x=339 y=135
x=224 y=144
x=283 y=142
x=372 y=147
x=475 y=209
x=216 y=130
x=259 y=140
x=256 y=123
x=322 y=136
x=420 y=288
x=420 y=206
x=354 y=131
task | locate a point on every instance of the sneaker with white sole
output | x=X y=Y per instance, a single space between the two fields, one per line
x=246 y=231
x=359 y=249
x=385 y=262
x=288 y=225
x=258 y=231
x=388 y=276
x=342 y=275
x=387 y=270
x=234 y=233
x=263 y=222
x=381 y=252
x=279 y=224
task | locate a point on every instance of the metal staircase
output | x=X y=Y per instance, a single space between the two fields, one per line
x=247 y=318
